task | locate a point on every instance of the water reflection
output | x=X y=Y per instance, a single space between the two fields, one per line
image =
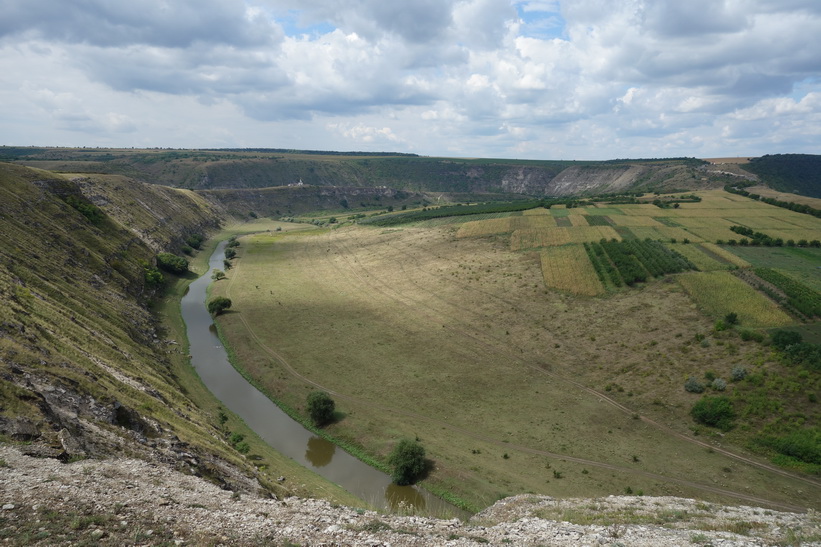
x=404 y=499
x=280 y=431
x=320 y=452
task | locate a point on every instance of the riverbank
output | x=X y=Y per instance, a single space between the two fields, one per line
x=269 y=464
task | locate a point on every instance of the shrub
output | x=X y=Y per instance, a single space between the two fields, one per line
x=693 y=385
x=783 y=338
x=738 y=373
x=320 y=407
x=218 y=304
x=172 y=263
x=719 y=384
x=731 y=318
x=153 y=276
x=748 y=335
x=714 y=412
x=93 y=213
x=408 y=461
x=195 y=241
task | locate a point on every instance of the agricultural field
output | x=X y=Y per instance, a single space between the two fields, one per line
x=802 y=264
x=719 y=293
x=497 y=349
x=569 y=269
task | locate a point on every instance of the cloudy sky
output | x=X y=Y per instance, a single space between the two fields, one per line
x=541 y=79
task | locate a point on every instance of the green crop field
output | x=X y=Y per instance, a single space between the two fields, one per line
x=478 y=347
x=719 y=293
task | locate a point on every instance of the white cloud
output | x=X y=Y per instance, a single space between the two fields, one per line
x=610 y=79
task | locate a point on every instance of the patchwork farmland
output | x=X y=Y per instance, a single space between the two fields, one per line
x=515 y=349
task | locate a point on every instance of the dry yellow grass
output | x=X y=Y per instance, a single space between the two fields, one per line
x=643 y=209
x=578 y=220
x=569 y=269
x=664 y=233
x=766 y=223
x=546 y=237
x=635 y=220
x=794 y=234
x=726 y=255
x=695 y=254
x=805 y=221
x=478 y=228
x=537 y=212
x=783 y=196
x=719 y=293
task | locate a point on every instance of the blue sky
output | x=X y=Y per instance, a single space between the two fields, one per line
x=540 y=79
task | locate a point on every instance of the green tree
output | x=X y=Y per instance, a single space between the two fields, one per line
x=218 y=304
x=320 y=407
x=408 y=462
x=172 y=263
x=217 y=275
x=230 y=253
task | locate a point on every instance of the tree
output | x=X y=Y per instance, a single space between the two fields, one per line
x=217 y=275
x=320 y=407
x=408 y=461
x=172 y=263
x=230 y=253
x=218 y=304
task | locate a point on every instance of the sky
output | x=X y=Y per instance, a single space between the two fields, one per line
x=527 y=79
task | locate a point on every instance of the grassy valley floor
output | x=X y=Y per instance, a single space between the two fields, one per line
x=510 y=387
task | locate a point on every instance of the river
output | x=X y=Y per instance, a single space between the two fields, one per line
x=278 y=429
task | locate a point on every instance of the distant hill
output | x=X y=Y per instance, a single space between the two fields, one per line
x=265 y=168
x=793 y=173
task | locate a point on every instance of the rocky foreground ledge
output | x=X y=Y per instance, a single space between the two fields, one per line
x=132 y=502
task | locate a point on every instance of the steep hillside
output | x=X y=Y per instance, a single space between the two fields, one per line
x=85 y=369
x=295 y=200
x=793 y=173
x=222 y=169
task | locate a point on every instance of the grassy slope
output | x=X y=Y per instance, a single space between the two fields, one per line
x=456 y=341
x=71 y=320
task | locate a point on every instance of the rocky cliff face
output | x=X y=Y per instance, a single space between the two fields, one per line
x=84 y=372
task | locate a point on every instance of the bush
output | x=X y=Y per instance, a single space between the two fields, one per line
x=693 y=385
x=714 y=412
x=218 y=304
x=195 y=241
x=320 y=407
x=783 y=338
x=731 y=318
x=408 y=461
x=748 y=335
x=153 y=277
x=738 y=373
x=172 y=263
x=719 y=384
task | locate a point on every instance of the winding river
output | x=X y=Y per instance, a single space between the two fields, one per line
x=278 y=429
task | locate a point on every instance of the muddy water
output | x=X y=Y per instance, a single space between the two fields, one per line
x=277 y=428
